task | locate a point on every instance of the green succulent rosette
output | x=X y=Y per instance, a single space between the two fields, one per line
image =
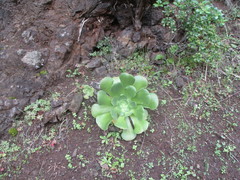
x=122 y=101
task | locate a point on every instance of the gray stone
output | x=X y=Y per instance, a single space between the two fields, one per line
x=179 y=82
x=29 y=34
x=1 y=102
x=95 y=85
x=143 y=44
x=136 y=37
x=169 y=36
x=22 y=103
x=76 y=102
x=61 y=49
x=84 y=62
x=3 y=77
x=127 y=51
x=8 y=104
x=5 y=122
x=13 y=112
x=35 y=172
x=43 y=2
x=101 y=70
x=59 y=111
x=94 y=63
x=56 y=114
x=45 y=52
x=101 y=9
x=81 y=5
x=37 y=96
x=153 y=17
x=33 y=58
x=56 y=103
x=66 y=33
x=74 y=154
x=3 y=53
x=125 y=37
x=15 y=102
x=123 y=15
x=192 y=103
x=68 y=44
x=21 y=52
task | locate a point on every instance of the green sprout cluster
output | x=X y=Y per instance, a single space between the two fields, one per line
x=121 y=101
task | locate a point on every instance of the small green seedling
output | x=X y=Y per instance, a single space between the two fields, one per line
x=122 y=101
x=160 y=57
x=13 y=132
x=88 y=91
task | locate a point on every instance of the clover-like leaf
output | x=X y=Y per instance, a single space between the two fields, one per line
x=106 y=84
x=103 y=98
x=127 y=79
x=140 y=82
x=100 y=109
x=104 y=120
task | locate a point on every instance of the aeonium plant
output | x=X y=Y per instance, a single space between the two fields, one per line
x=122 y=101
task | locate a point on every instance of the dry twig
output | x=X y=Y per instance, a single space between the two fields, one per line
x=81 y=27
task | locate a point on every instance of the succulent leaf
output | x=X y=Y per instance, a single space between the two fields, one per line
x=100 y=109
x=140 y=82
x=103 y=98
x=140 y=113
x=127 y=79
x=104 y=120
x=116 y=89
x=130 y=91
x=121 y=122
x=128 y=133
x=139 y=125
x=153 y=101
x=142 y=97
x=114 y=113
x=106 y=84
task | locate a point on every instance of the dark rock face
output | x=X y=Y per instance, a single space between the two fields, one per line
x=79 y=6
x=5 y=16
x=153 y=17
x=51 y=36
x=124 y=15
x=9 y=109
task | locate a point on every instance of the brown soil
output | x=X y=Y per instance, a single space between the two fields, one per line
x=179 y=144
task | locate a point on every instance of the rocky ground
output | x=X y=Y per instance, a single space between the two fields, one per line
x=43 y=42
x=53 y=36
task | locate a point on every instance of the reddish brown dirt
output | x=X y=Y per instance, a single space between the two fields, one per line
x=179 y=144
